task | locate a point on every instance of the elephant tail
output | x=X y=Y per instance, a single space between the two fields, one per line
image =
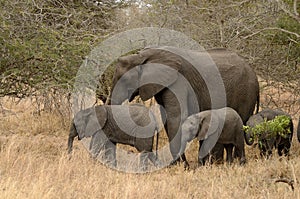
x=156 y=147
x=155 y=130
x=298 y=130
x=257 y=103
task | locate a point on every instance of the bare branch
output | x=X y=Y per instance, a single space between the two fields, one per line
x=295 y=8
x=285 y=180
x=272 y=28
x=284 y=8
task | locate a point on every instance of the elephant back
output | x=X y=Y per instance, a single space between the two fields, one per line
x=270 y=114
x=132 y=120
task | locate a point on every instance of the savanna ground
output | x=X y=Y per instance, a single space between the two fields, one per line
x=35 y=164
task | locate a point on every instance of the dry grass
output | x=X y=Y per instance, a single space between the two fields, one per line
x=34 y=164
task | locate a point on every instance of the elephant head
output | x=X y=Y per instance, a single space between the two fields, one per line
x=204 y=126
x=144 y=74
x=266 y=140
x=86 y=123
x=253 y=121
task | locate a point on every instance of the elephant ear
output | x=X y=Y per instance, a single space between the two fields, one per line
x=154 y=78
x=209 y=124
x=90 y=120
x=210 y=136
x=130 y=61
x=159 y=71
x=101 y=114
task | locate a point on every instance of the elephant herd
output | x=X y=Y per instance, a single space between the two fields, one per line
x=208 y=95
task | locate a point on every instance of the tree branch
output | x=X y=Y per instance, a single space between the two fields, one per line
x=285 y=180
x=295 y=8
x=272 y=28
x=283 y=7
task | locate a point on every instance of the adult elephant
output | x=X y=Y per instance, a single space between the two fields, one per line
x=185 y=82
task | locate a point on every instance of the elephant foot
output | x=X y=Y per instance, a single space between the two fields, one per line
x=201 y=163
x=174 y=162
x=155 y=160
x=144 y=168
x=243 y=161
x=157 y=163
x=177 y=159
x=186 y=165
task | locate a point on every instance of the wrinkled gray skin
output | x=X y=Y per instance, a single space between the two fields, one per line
x=298 y=130
x=89 y=122
x=268 y=143
x=240 y=81
x=202 y=127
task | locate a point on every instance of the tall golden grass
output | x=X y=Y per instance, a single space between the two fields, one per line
x=34 y=164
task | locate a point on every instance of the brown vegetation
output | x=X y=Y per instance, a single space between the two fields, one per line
x=35 y=164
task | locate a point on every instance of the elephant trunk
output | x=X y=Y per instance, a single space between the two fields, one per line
x=248 y=138
x=182 y=148
x=185 y=138
x=298 y=130
x=72 y=135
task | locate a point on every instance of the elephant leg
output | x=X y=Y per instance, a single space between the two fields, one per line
x=176 y=112
x=236 y=153
x=110 y=153
x=143 y=160
x=174 y=137
x=218 y=153
x=262 y=153
x=280 y=149
x=148 y=155
x=265 y=149
x=201 y=161
x=229 y=149
x=154 y=159
x=239 y=149
x=144 y=146
x=284 y=149
x=268 y=151
x=103 y=149
x=97 y=144
x=242 y=154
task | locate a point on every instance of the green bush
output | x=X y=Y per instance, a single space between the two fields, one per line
x=270 y=129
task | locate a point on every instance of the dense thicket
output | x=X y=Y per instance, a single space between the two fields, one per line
x=43 y=43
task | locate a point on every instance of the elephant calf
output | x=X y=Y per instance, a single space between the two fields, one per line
x=108 y=125
x=215 y=129
x=278 y=142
